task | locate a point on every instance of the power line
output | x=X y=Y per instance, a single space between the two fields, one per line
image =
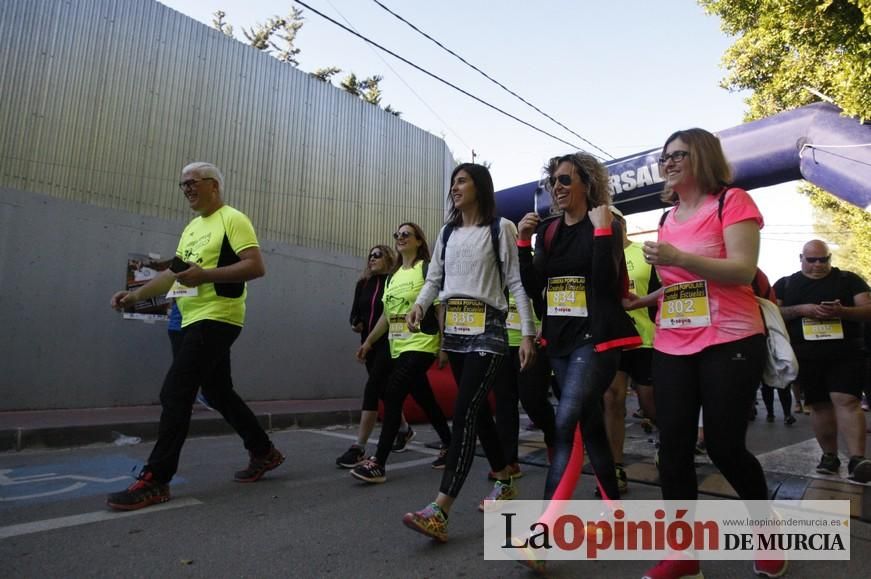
x=488 y=77
x=408 y=86
x=438 y=78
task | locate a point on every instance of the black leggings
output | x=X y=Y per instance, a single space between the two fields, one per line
x=530 y=388
x=408 y=374
x=785 y=396
x=722 y=379
x=474 y=373
x=378 y=365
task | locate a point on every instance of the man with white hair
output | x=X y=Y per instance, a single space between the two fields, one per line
x=217 y=253
x=824 y=308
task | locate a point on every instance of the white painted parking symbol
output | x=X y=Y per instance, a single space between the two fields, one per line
x=78 y=481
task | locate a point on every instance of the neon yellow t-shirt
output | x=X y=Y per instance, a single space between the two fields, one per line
x=201 y=243
x=639 y=283
x=399 y=296
x=512 y=323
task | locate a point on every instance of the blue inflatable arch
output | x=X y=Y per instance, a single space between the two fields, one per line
x=815 y=142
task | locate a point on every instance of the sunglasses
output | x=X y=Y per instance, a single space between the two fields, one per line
x=824 y=259
x=676 y=156
x=376 y=255
x=564 y=180
x=403 y=235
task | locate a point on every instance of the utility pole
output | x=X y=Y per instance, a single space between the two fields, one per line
x=473 y=155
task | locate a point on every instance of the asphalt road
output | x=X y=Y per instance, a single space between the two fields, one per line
x=305 y=519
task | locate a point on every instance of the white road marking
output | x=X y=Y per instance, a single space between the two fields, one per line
x=345 y=474
x=418 y=447
x=88 y=518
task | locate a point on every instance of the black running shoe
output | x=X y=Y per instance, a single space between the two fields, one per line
x=402 y=440
x=259 y=465
x=440 y=462
x=352 y=457
x=829 y=464
x=142 y=493
x=369 y=471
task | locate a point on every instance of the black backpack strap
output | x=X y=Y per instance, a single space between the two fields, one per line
x=446 y=234
x=494 y=240
x=720 y=201
x=663 y=218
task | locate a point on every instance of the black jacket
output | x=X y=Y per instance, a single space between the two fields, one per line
x=367 y=305
x=575 y=250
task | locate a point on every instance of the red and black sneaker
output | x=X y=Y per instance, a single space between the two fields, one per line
x=259 y=465
x=142 y=493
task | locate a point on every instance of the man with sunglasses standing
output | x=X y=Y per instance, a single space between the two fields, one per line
x=217 y=253
x=824 y=308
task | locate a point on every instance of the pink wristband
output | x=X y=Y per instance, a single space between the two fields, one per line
x=524 y=243
x=601 y=232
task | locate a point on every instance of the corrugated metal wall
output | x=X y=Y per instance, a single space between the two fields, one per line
x=103 y=101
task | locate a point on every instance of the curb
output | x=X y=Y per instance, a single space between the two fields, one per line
x=18 y=439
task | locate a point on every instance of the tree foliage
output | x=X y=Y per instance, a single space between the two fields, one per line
x=277 y=36
x=325 y=74
x=794 y=52
x=847 y=226
x=786 y=47
x=218 y=23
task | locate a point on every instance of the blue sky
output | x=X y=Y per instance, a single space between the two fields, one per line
x=622 y=74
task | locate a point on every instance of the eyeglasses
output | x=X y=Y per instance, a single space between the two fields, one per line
x=564 y=180
x=403 y=234
x=376 y=255
x=676 y=156
x=824 y=259
x=189 y=184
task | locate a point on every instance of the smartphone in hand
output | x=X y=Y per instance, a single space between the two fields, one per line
x=829 y=304
x=178 y=265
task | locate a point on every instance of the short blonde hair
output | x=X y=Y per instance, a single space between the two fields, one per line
x=706 y=161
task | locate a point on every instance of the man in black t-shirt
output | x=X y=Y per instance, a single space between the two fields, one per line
x=824 y=309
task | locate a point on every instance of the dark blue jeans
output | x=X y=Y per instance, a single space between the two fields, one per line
x=583 y=376
x=202 y=360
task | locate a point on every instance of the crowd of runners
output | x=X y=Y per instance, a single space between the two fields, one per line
x=564 y=302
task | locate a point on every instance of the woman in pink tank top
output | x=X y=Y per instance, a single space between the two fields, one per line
x=709 y=346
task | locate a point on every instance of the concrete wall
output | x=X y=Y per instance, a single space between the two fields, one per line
x=103 y=101
x=63 y=347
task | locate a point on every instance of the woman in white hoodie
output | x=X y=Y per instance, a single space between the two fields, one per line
x=474 y=260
